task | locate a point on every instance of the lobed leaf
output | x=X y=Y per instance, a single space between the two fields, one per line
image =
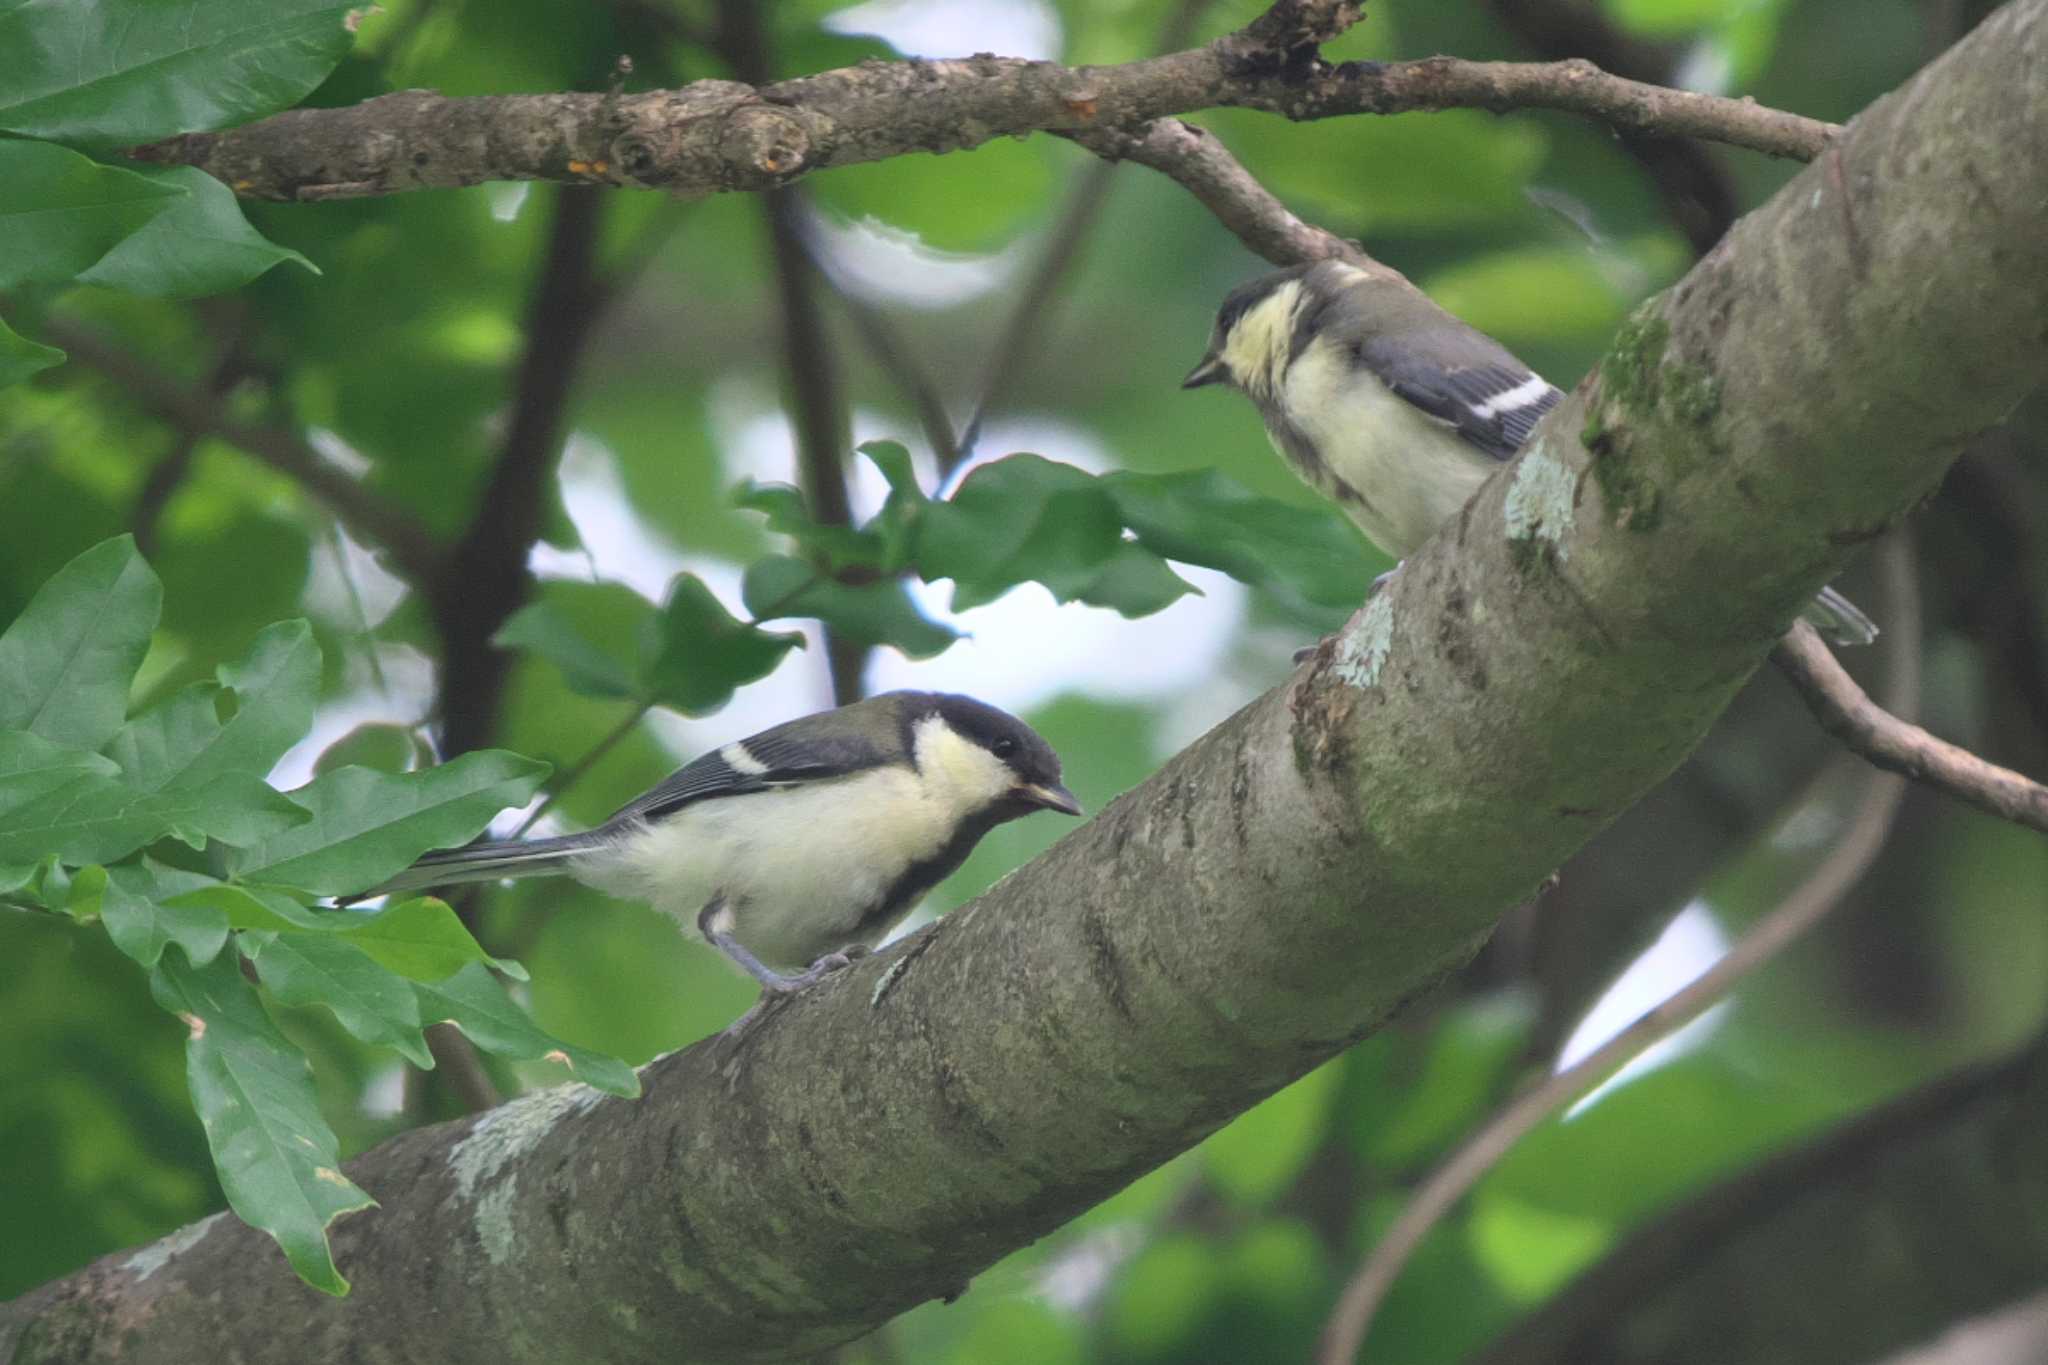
x=279 y=1162
x=368 y=825
x=694 y=653
x=94 y=819
x=21 y=357
x=370 y=1001
x=63 y=210
x=474 y=1002
x=200 y=244
x=879 y=613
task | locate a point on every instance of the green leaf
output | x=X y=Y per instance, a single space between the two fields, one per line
x=870 y=613
x=545 y=629
x=141 y=927
x=694 y=653
x=95 y=819
x=368 y=825
x=841 y=547
x=367 y=999
x=259 y=907
x=1020 y=519
x=1136 y=582
x=130 y=72
x=66 y=662
x=896 y=524
x=1203 y=518
x=31 y=768
x=20 y=357
x=374 y=744
x=156 y=746
x=474 y=1002
x=64 y=211
x=1256 y=1157
x=1464 y=1071
x=182 y=743
x=422 y=938
x=275 y=689
x=199 y=245
x=278 y=1161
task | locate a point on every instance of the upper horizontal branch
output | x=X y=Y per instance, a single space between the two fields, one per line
x=722 y=135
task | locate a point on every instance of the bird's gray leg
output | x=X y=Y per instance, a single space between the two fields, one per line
x=715 y=925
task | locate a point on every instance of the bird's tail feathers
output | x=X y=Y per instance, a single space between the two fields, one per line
x=1839 y=619
x=488 y=862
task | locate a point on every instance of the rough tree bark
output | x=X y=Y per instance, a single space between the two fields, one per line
x=1278 y=889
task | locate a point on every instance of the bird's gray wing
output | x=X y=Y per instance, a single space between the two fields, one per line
x=1494 y=405
x=773 y=758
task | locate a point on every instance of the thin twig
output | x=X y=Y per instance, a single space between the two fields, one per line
x=1084 y=210
x=191 y=408
x=818 y=400
x=575 y=772
x=1898 y=746
x=1805 y=907
x=1201 y=164
x=461 y=1068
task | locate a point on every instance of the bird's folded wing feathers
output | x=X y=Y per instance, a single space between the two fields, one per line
x=769 y=759
x=1494 y=406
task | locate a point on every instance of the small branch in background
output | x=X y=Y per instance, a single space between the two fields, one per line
x=385 y=525
x=898 y=363
x=817 y=397
x=1895 y=745
x=1447 y=1184
x=1063 y=246
x=461 y=1068
x=1200 y=163
x=1698 y=195
x=576 y=771
x=167 y=475
x=486 y=579
x=818 y=407
x=1286 y=24
x=1808 y=904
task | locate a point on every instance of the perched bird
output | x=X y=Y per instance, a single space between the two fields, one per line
x=805 y=841
x=1391 y=407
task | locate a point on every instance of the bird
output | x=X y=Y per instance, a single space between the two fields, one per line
x=795 y=850
x=1391 y=407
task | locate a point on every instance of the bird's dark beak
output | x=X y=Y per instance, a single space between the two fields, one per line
x=1210 y=371
x=1050 y=796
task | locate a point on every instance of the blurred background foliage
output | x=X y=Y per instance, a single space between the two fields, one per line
x=429 y=342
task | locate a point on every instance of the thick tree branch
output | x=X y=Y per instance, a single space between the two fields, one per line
x=194 y=409
x=724 y=135
x=1278 y=889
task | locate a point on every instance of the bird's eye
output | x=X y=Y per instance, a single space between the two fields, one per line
x=1003 y=748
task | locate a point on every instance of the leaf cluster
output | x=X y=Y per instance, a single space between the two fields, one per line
x=161 y=828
